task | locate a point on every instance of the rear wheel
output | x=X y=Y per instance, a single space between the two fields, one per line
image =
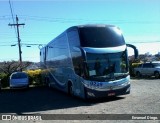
x=138 y=74
x=156 y=74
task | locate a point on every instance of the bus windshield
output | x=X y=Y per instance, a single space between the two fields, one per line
x=105 y=67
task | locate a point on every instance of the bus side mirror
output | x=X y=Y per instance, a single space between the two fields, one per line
x=135 y=50
x=136 y=53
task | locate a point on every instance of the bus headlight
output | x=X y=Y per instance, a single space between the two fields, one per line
x=92 y=84
x=128 y=89
x=126 y=83
x=90 y=94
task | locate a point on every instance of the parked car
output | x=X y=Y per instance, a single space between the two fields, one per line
x=19 y=80
x=148 y=69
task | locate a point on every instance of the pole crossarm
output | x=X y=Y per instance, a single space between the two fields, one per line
x=22 y=24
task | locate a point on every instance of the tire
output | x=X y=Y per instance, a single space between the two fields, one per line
x=85 y=95
x=27 y=88
x=156 y=74
x=138 y=74
x=45 y=81
x=70 y=89
x=49 y=85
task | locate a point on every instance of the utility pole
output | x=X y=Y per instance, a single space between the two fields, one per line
x=19 y=40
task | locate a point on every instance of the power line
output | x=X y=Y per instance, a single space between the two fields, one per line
x=79 y=19
x=144 y=42
x=71 y=20
x=32 y=44
x=37 y=44
x=1 y=45
x=12 y=16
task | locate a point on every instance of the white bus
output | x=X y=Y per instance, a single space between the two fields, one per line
x=88 y=61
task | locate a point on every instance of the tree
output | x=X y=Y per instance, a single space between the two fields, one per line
x=12 y=66
x=7 y=68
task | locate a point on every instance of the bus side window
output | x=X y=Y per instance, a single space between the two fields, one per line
x=79 y=67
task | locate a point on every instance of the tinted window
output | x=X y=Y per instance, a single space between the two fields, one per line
x=73 y=39
x=147 y=65
x=19 y=76
x=101 y=37
x=156 y=64
x=140 y=66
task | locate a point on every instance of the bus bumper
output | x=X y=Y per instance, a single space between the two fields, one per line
x=110 y=93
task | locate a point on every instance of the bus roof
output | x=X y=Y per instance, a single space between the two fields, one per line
x=90 y=25
x=80 y=27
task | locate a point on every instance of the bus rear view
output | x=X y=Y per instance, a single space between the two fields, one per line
x=95 y=61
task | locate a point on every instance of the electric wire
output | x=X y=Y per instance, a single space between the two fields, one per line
x=71 y=20
x=11 y=9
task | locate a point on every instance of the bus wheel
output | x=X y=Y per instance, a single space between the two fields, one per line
x=70 y=89
x=85 y=95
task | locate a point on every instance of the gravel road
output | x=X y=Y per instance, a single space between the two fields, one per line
x=144 y=99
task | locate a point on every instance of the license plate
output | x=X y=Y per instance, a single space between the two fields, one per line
x=111 y=94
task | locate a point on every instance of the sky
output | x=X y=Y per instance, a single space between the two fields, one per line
x=44 y=20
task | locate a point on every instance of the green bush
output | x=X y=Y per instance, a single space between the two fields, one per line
x=34 y=77
x=4 y=80
x=132 y=66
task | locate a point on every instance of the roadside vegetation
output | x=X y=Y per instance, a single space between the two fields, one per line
x=133 y=65
x=7 y=68
x=35 y=78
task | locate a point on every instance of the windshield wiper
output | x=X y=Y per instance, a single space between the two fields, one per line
x=120 y=75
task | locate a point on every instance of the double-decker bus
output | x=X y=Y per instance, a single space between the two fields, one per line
x=88 y=61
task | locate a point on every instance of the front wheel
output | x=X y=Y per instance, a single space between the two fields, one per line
x=70 y=89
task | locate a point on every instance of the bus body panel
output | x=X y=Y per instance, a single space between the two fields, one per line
x=69 y=58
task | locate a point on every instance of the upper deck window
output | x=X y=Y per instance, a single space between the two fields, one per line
x=99 y=37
